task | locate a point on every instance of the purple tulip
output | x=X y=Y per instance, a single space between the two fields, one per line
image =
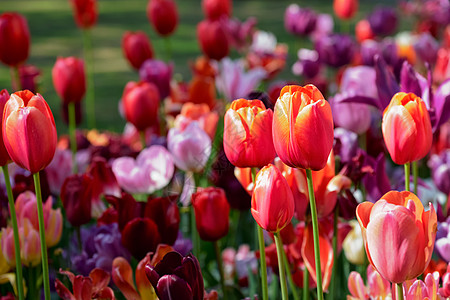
x=324 y=26
x=441 y=104
x=299 y=21
x=335 y=50
x=440 y=170
x=176 y=277
x=376 y=183
x=150 y=171
x=307 y=64
x=443 y=240
x=411 y=81
x=182 y=245
x=346 y=144
x=190 y=147
x=240 y=33
x=383 y=21
x=426 y=47
x=159 y=73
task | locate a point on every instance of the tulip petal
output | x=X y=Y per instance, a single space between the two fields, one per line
x=122 y=276
x=140 y=236
x=356 y=286
x=62 y=291
x=143 y=284
x=173 y=287
x=100 y=280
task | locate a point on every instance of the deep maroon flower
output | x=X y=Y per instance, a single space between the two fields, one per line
x=140 y=236
x=164 y=212
x=335 y=50
x=159 y=73
x=29 y=75
x=383 y=21
x=76 y=196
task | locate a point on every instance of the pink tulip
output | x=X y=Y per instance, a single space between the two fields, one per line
x=58 y=170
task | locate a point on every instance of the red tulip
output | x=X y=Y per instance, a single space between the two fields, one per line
x=85 y=13
x=272 y=200
x=245 y=140
x=76 y=197
x=4 y=156
x=211 y=213
x=345 y=9
x=29 y=131
x=213 y=39
x=136 y=48
x=163 y=15
x=363 y=31
x=398 y=235
x=302 y=127
x=141 y=103
x=69 y=79
x=406 y=128
x=214 y=9
x=14 y=39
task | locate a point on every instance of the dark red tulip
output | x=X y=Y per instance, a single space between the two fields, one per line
x=85 y=13
x=4 y=156
x=140 y=236
x=163 y=16
x=127 y=208
x=69 y=79
x=14 y=39
x=213 y=39
x=136 y=48
x=140 y=104
x=165 y=213
x=76 y=196
x=211 y=213
x=214 y=9
x=29 y=77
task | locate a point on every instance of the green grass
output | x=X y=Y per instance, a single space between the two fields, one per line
x=54 y=33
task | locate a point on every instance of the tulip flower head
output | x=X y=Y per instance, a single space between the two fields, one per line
x=14 y=39
x=213 y=39
x=345 y=9
x=163 y=16
x=302 y=127
x=85 y=13
x=69 y=79
x=29 y=131
x=398 y=235
x=406 y=128
x=136 y=48
x=4 y=156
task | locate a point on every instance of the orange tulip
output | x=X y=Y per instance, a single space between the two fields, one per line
x=406 y=128
x=303 y=127
x=398 y=235
x=245 y=139
x=272 y=200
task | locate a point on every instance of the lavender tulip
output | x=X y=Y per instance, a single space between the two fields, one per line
x=443 y=240
x=440 y=170
x=152 y=170
x=159 y=73
x=426 y=47
x=335 y=50
x=324 y=26
x=299 y=21
x=307 y=64
x=182 y=245
x=190 y=147
x=383 y=21
x=58 y=170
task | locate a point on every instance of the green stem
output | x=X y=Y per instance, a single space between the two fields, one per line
x=73 y=136
x=194 y=235
x=90 y=92
x=305 y=283
x=335 y=235
x=12 y=209
x=46 y=278
x=407 y=174
x=143 y=139
x=315 y=225
x=399 y=288
x=280 y=250
x=168 y=48
x=289 y=277
x=220 y=267
x=415 y=170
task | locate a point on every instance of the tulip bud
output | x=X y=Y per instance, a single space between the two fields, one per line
x=406 y=128
x=4 y=156
x=383 y=21
x=214 y=9
x=272 y=200
x=398 y=235
x=335 y=50
x=159 y=73
x=245 y=139
x=69 y=79
x=136 y=48
x=85 y=13
x=29 y=77
x=363 y=31
x=213 y=39
x=7 y=246
x=353 y=245
x=141 y=103
x=345 y=9
x=29 y=131
x=211 y=213
x=30 y=249
x=163 y=15
x=299 y=21
x=14 y=39
x=76 y=196
x=302 y=127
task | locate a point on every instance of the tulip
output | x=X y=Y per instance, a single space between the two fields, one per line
x=215 y=9
x=95 y=286
x=363 y=31
x=211 y=213
x=69 y=79
x=302 y=127
x=345 y=9
x=398 y=235
x=7 y=243
x=58 y=170
x=427 y=289
x=299 y=21
x=441 y=71
x=190 y=147
x=159 y=73
x=29 y=77
x=4 y=156
x=141 y=104
x=307 y=64
x=14 y=39
x=163 y=16
x=176 y=277
x=354 y=245
x=335 y=50
x=272 y=200
x=30 y=250
x=76 y=197
x=29 y=131
x=85 y=13
x=136 y=48
x=426 y=47
x=440 y=170
x=245 y=142
x=406 y=128
x=443 y=240
x=383 y=21
x=213 y=39
x=200 y=113
x=445 y=290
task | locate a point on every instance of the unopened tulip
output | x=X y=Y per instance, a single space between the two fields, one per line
x=245 y=139
x=383 y=21
x=30 y=249
x=335 y=50
x=406 y=128
x=363 y=31
x=4 y=156
x=211 y=213
x=159 y=73
x=299 y=21
x=213 y=39
x=76 y=197
x=302 y=127
x=398 y=235
x=85 y=13
x=29 y=77
x=69 y=79
x=215 y=9
x=353 y=245
x=29 y=131
x=137 y=48
x=141 y=104
x=345 y=9
x=14 y=39
x=163 y=16
x=272 y=200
